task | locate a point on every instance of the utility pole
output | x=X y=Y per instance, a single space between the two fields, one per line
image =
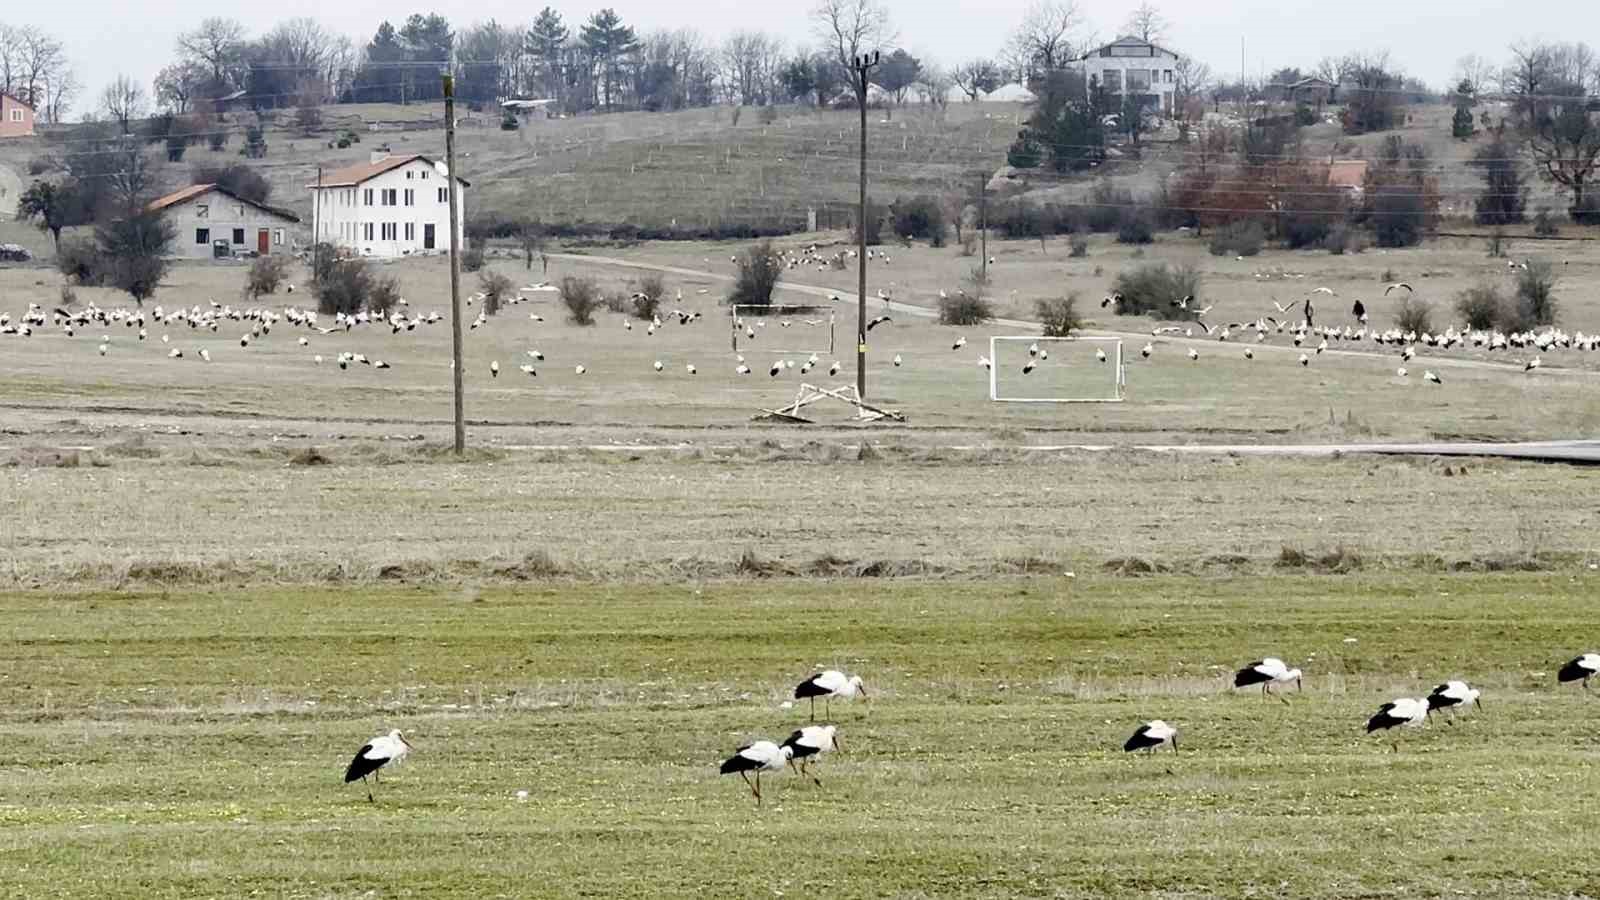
x=983 y=229
x=456 y=365
x=316 y=229
x=860 y=67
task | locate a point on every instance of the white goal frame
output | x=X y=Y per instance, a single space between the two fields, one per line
x=1113 y=347
x=774 y=313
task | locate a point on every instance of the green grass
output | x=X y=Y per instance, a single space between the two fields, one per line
x=189 y=743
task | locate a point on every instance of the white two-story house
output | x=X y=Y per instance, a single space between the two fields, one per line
x=388 y=207
x=1129 y=65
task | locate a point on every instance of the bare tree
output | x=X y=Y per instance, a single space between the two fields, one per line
x=1146 y=23
x=1049 y=35
x=59 y=94
x=1476 y=71
x=218 y=44
x=32 y=63
x=1575 y=66
x=178 y=84
x=977 y=77
x=851 y=28
x=933 y=85
x=123 y=101
x=1526 y=78
x=744 y=54
x=1191 y=80
x=1565 y=145
x=10 y=57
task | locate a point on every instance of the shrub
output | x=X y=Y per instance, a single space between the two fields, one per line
x=133 y=252
x=1241 y=238
x=920 y=217
x=1495 y=246
x=241 y=180
x=1135 y=229
x=78 y=259
x=1544 y=224
x=266 y=273
x=472 y=259
x=1400 y=215
x=496 y=289
x=875 y=216
x=1413 y=315
x=1059 y=315
x=350 y=285
x=255 y=142
x=217 y=139
x=1108 y=207
x=962 y=308
x=1587 y=212
x=615 y=302
x=39 y=165
x=508 y=122
x=760 y=267
x=1025 y=152
x=1155 y=289
x=1480 y=306
x=969 y=244
x=1337 y=240
x=1079 y=245
x=308 y=119
x=68 y=296
x=580 y=297
x=1536 y=300
x=651 y=290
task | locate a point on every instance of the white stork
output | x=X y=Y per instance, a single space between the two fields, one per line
x=377 y=753
x=1453 y=694
x=1267 y=672
x=757 y=756
x=1407 y=711
x=1582 y=669
x=812 y=740
x=827 y=685
x=1151 y=735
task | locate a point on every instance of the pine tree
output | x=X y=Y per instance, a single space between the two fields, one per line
x=1461 y=124
x=544 y=43
x=607 y=41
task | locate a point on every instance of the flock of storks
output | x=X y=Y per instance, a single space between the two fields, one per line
x=804 y=747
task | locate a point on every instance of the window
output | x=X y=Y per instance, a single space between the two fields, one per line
x=391 y=197
x=411 y=197
x=367 y=230
x=424 y=174
x=411 y=231
x=1113 y=81
x=202 y=236
x=389 y=231
x=277 y=237
x=238 y=235
x=367 y=197
x=444 y=195
x=1166 y=76
x=408 y=175
x=16 y=115
x=1138 y=81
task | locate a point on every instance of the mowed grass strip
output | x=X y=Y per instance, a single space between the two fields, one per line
x=190 y=743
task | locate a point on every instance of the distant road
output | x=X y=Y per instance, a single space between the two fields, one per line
x=924 y=312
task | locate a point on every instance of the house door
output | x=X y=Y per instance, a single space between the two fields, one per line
x=263 y=241
x=427 y=237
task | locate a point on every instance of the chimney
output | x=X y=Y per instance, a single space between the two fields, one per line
x=379 y=155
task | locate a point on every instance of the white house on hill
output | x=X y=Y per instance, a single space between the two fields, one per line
x=389 y=207
x=1130 y=65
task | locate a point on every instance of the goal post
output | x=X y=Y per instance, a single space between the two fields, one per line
x=1028 y=369
x=783 y=327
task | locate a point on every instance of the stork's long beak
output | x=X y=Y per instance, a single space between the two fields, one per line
x=863 y=691
x=409 y=745
x=1478 y=703
x=1299 y=685
x=837 y=745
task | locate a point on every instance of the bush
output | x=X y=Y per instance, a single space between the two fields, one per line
x=1135 y=229
x=1480 y=306
x=255 y=142
x=580 y=297
x=496 y=289
x=651 y=290
x=1059 y=316
x=760 y=267
x=308 y=119
x=1400 y=215
x=1304 y=115
x=239 y=179
x=969 y=244
x=1156 y=288
x=217 y=139
x=1587 y=212
x=875 y=216
x=1413 y=315
x=962 y=308
x=1241 y=238
x=266 y=273
x=1025 y=152
x=79 y=260
x=1536 y=300
x=1544 y=224
x=350 y=285
x=1337 y=240
x=615 y=302
x=39 y=165
x=133 y=252
x=508 y=122
x=920 y=218
x=1079 y=245
x=472 y=260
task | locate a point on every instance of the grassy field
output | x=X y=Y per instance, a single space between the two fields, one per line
x=176 y=743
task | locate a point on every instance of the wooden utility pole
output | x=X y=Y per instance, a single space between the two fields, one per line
x=860 y=67
x=456 y=364
x=983 y=229
x=316 y=229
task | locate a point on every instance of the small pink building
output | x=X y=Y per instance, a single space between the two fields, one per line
x=16 y=117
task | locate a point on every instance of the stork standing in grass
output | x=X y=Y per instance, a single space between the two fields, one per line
x=1404 y=711
x=811 y=741
x=377 y=753
x=757 y=757
x=1152 y=735
x=1582 y=669
x=1267 y=672
x=827 y=685
x=1453 y=695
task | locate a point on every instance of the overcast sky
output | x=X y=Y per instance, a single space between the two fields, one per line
x=108 y=37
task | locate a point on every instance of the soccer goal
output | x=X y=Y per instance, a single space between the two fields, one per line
x=781 y=328
x=1025 y=369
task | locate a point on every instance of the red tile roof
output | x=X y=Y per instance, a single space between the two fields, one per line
x=350 y=176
